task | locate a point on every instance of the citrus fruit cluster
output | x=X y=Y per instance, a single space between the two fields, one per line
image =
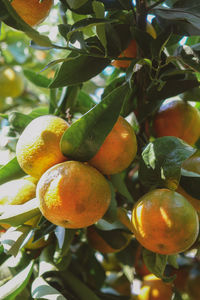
x=73 y=194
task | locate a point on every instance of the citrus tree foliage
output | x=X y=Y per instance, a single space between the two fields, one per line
x=66 y=64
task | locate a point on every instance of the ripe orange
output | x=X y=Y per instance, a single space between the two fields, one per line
x=11 y=83
x=17 y=191
x=179 y=119
x=73 y=194
x=118 y=150
x=154 y=288
x=98 y=243
x=165 y=222
x=33 y=12
x=131 y=50
x=38 y=147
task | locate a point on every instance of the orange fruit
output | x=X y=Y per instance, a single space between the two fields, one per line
x=153 y=288
x=131 y=50
x=33 y=12
x=118 y=150
x=73 y=194
x=11 y=83
x=179 y=119
x=98 y=242
x=17 y=191
x=165 y=222
x=38 y=147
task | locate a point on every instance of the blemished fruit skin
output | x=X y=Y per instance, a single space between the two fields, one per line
x=17 y=191
x=179 y=119
x=11 y=83
x=154 y=288
x=165 y=222
x=118 y=150
x=38 y=147
x=73 y=195
x=33 y=12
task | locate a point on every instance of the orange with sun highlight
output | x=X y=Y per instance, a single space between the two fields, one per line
x=118 y=150
x=153 y=288
x=165 y=222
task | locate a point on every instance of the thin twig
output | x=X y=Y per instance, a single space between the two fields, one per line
x=155 y=4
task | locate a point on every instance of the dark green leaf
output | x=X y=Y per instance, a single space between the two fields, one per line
x=79 y=288
x=42 y=290
x=37 y=79
x=79 y=69
x=83 y=138
x=121 y=187
x=111 y=213
x=190 y=182
x=172 y=260
x=161 y=160
x=19 y=121
x=155 y=262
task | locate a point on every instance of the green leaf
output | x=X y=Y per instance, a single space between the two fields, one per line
x=37 y=79
x=15 y=215
x=111 y=213
x=84 y=137
x=10 y=171
x=19 y=121
x=16 y=285
x=78 y=287
x=42 y=290
x=160 y=163
x=13 y=239
x=155 y=262
x=188 y=57
x=121 y=187
x=186 y=17
x=46 y=261
x=100 y=29
x=74 y=4
x=172 y=260
x=78 y=69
